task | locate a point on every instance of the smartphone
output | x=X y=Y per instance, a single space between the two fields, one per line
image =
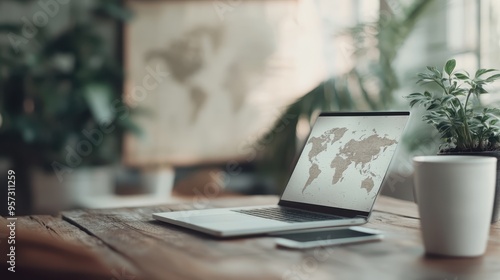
x=306 y=239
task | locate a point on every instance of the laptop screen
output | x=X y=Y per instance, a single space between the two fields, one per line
x=345 y=159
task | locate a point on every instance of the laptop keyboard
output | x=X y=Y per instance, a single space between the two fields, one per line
x=287 y=215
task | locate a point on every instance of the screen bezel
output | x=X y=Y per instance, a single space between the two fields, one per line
x=342 y=212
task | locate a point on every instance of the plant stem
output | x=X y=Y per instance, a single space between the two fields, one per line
x=442 y=86
x=459 y=136
x=466 y=125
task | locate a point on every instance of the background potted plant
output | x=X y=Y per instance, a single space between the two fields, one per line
x=61 y=104
x=453 y=107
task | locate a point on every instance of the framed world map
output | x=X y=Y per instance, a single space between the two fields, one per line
x=215 y=76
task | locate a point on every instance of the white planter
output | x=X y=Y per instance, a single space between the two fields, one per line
x=94 y=187
x=49 y=196
x=455 y=198
x=88 y=183
x=81 y=185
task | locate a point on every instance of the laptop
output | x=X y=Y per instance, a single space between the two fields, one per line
x=334 y=183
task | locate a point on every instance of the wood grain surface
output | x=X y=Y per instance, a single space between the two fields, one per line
x=134 y=246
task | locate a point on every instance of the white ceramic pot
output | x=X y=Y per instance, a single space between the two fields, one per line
x=89 y=182
x=455 y=198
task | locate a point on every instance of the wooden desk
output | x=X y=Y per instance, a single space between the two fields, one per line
x=137 y=247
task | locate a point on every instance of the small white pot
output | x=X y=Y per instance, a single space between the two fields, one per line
x=455 y=200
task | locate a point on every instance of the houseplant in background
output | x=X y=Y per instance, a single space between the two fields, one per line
x=61 y=95
x=453 y=107
x=348 y=91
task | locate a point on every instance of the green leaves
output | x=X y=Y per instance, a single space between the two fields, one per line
x=481 y=72
x=434 y=71
x=113 y=9
x=99 y=97
x=426 y=99
x=450 y=66
x=461 y=76
x=456 y=112
x=69 y=78
x=492 y=78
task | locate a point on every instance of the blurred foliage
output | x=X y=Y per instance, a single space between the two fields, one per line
x=54 y=85
x=368 y=86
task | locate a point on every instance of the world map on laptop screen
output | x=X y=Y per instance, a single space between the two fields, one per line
x=344 y=161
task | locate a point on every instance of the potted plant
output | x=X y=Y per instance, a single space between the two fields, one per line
x=61 y=104
x=453 y=107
